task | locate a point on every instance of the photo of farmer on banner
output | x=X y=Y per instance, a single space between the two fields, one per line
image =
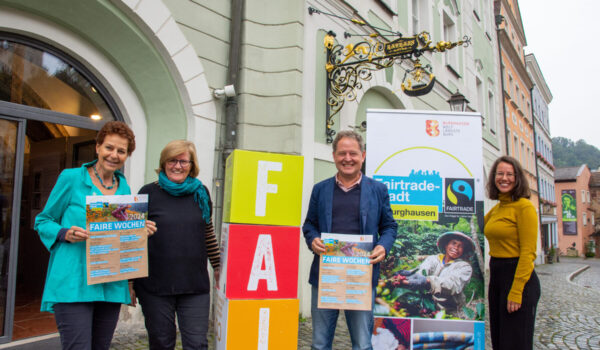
x=433 y=271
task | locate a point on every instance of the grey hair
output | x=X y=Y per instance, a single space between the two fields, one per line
x=351 y=134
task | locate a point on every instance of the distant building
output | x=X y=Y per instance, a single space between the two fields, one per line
x=575 y=214
x=517 y=86
x=595 y=196
x=540 y=98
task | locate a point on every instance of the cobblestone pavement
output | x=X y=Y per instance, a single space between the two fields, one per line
x=568 y=314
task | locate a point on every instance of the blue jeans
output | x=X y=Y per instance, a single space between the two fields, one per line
x=360 y=325
x=159 y=314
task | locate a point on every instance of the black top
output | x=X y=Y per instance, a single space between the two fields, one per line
x=177 y=259
x=345 y=211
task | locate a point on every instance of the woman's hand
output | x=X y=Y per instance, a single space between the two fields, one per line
x=76 y=234
x=132 y=294
x=511 y=306
x=217 y=274
x=150 y=227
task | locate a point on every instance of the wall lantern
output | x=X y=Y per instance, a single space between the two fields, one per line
x=458 y=102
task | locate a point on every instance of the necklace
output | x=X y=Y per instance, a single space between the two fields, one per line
x=114 y=179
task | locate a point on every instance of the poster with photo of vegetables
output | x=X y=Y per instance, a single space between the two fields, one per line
x=431 y=163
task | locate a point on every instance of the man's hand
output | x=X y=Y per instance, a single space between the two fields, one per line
x=511 y=306
x=378 y=254
x=317 y=246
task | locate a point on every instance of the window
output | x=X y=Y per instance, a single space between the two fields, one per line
x=450 y=35
x=480 y=100
x=588 y=197
x=492 y=110
x=34 y=75
x=584 y=219
x=420 y=16
x=516 y=147
x=510 y=85
x=593 y=221
x=415 y=16
x=582 y=196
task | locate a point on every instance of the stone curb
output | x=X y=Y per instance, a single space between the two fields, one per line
x=575 y=273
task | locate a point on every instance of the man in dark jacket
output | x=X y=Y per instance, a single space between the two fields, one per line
x=348 y=203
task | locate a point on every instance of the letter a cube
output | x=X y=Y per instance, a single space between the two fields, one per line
x=259 y=262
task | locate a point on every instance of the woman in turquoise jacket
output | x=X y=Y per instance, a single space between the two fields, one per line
x=86 y=315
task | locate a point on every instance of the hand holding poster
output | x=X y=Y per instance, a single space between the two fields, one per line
x=117 y=245
x=345 y=272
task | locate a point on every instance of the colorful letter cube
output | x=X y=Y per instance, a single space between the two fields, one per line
x=256 y=324
x=263 y=188
x=259 y=262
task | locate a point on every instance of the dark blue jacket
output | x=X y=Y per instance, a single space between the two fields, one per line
x=376 y=218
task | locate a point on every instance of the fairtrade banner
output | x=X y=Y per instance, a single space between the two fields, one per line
x=345 y=272
x=431 y=163
x=117 y=247
x=569 y=211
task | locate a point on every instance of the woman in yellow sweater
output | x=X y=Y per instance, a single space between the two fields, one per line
x=511 y=229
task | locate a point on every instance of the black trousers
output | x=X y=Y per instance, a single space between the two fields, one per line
x=192 y=316
x=511 y=331
x=86 y=326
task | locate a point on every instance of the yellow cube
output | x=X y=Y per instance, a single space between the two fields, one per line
x=263 y=188
x=256 y=324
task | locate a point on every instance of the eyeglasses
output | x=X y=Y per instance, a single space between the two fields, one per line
x=182 y=162
x=508 y=175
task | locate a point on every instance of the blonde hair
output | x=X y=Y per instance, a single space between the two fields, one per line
x=175 y=148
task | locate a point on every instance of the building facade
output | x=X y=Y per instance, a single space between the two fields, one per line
x=155 y=64
x=576 y=217
x=595 y=197
x=540 y=99
x=517 y=90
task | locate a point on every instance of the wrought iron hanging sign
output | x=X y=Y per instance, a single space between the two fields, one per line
x=349 y=65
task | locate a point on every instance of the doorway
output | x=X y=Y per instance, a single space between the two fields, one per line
x=49 y=148
x=50 y=108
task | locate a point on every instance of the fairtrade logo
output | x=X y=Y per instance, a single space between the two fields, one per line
x=460 y=198
x=460 y=187
x=432 y=127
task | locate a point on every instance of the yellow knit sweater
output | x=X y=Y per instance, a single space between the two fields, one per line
x=511 y=230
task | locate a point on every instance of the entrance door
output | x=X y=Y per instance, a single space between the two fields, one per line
x=11 y=165
x=50 y=148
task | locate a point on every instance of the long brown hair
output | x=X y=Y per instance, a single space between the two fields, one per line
x=521 y=188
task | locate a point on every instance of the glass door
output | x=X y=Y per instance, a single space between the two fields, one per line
x=11 y=168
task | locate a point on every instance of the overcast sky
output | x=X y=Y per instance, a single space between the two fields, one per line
x=564 y=36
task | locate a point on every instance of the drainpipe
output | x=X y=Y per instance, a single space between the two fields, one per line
x=231 y=105
x=499 y=18
x=233 y=69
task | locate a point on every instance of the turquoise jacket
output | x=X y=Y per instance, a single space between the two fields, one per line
x=66 y=280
